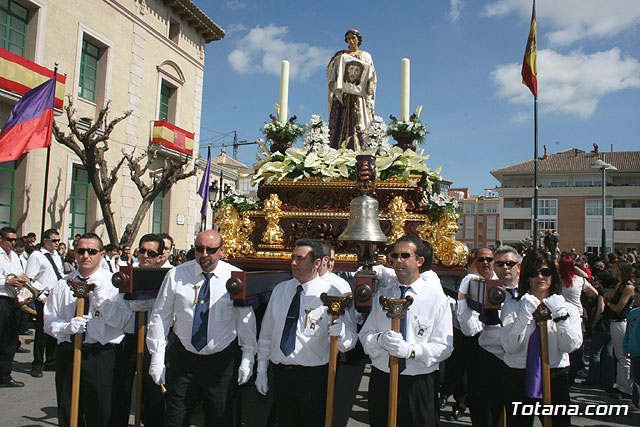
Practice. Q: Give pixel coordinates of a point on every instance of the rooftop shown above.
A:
(197, 19)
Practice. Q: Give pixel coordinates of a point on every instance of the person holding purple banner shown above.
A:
(520, 338)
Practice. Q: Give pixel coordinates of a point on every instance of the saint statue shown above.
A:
(352, 92)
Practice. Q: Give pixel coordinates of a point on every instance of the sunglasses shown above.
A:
(209, 250)
(82, 251)
(403, 255)
(148, 252)
(54, 240)
(509, 264)
(546, 272)
(9, 239)
(483, 259)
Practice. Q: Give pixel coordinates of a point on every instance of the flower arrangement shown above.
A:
(241, 202)
(282, 132)
(375, 135)
(440, 203)
(317, 134)
(414, 127)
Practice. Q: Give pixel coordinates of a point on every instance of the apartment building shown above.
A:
(479, 221)
(570, 199)
(146, 56)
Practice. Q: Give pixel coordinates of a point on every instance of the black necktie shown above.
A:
(201, 315)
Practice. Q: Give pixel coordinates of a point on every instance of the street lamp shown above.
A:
(601, 164)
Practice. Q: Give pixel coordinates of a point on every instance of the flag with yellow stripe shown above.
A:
(530, 65)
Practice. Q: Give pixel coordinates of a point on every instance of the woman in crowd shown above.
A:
(602, 369)
(620, 302)
(520, 338)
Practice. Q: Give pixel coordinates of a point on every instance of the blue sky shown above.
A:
(465, 69)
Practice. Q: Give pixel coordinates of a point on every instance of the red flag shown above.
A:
(30, 122)
(529, 64)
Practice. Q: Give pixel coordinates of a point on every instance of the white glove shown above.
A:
(400, 349)
(157, 370)
(337, 328)
(245, 371)
(557, 304)
(78, 325)
(141, 304)
(262, 383)
(389, 339)
(529, 305)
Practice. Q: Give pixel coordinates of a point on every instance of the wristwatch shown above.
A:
(413, 352)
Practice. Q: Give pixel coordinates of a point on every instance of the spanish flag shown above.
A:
(530, 65)
(30, 122)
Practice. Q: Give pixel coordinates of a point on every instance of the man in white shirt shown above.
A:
(210, 332)
(427, 340)
(486, 377)
(102, 328)
(44, 268)
(294, 337)
(110, 261)
(168, 249)
(9, 308)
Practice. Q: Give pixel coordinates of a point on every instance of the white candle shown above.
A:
(284, 91)
(405, 95)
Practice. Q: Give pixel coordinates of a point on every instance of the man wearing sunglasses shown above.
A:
(211, 334)
(44, 268)
(425, 340)
(102, 328)
(150, 249)
(9, 308)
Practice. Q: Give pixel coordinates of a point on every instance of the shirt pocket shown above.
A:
(223, 309)
(314, 320)
(420, 328)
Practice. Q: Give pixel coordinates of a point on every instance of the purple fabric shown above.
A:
(142, 295)
(533, 373)
(343, 119)
(203, 191)
(32, 104)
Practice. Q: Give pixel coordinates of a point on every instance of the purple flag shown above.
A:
(533, 373)
(204, 187)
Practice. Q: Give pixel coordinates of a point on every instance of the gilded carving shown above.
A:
(441, 234)
(399, 215)
(235, 229)
(273, 233)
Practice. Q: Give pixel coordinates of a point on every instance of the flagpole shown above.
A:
(535, 172)
(46, 175)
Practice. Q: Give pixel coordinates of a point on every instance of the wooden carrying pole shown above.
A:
(335, 306)
(541, 315)
(140, 352)
(81, 291)
(396, 310)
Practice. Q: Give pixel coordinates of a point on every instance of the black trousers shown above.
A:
(514, 386)
(153, 407)
(43, 344)
(299, 395)
(417, 399)
(212, 377)
(486, 389)
(455, 372)
(9, 322)
(96, 378)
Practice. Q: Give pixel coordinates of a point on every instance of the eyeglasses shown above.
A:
(54, 240)
(9, 239)
(209, 250)
(546, 272)
(403, 255)
(90, 251)
(483, 259)
(509, 264)
(148, 252)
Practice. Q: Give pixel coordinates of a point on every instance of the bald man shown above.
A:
(211, 334)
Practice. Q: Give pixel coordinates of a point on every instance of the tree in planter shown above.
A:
(91, 145)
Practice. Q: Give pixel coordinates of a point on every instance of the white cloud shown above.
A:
(236, 4)
(568, 21)
(264, 48)
(454, 11)
(570, 84)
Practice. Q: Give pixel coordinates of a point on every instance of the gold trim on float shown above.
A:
(342, 183)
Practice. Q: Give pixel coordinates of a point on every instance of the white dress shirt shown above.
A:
(40, 271)
(8, 266)
(106, 321)
(312, 331)
(565, 336)
(429, 328)
(176, 302)
(387, 277)
(344, 288)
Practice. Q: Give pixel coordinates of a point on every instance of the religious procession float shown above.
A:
(313, 190)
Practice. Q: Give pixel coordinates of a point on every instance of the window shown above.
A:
(468, 227)
(491, 207)
(588, 182)
(89, 71)
(593, 207)
(79, 201)
(558, 183)
(167, 103)
(547, 207)
(491, 227)
(546, 224)
(13, 26)
(469, 207)
(174, 31)
(7, 183)
(157, 215)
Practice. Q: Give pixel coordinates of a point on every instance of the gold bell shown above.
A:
(364, 221)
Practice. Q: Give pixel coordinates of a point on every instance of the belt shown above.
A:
(296, 368)
(94, 346)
